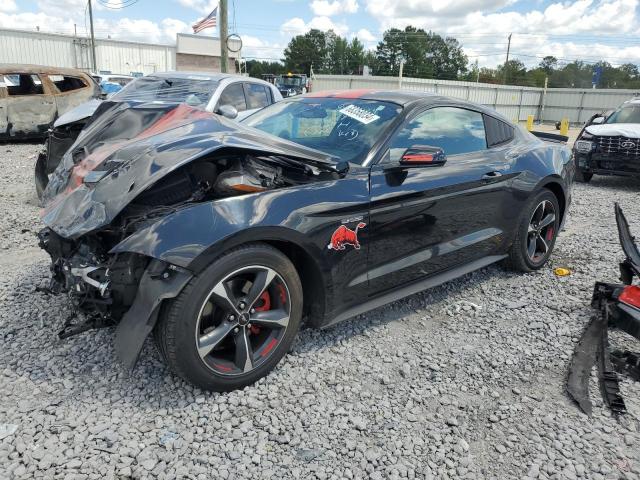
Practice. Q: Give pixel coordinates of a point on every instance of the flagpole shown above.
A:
(224, 52)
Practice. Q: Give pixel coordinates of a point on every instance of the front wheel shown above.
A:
(536, 234)
(233, 322)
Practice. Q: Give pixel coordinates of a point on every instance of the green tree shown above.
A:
(306, 50)
(257, 68)
(426, 54)
(549, 64)
(513, 72)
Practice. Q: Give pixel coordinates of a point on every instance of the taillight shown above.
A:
(631, 296)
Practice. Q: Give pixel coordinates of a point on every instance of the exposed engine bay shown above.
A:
(118, 179)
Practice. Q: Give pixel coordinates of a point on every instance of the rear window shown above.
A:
(195, 91)
(65, 83)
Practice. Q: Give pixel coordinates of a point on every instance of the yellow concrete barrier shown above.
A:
(564, 126)
(529, 122)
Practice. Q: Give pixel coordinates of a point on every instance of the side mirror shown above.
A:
(424, 155)
(228, 111)
(597, 120)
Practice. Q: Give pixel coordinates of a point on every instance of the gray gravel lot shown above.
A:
(462, 381)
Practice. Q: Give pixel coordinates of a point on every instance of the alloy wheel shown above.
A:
(541, 232)
(242, 320)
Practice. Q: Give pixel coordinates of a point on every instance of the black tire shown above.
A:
(179, 331)
(41, 177)
(582, 176)
(520, 258)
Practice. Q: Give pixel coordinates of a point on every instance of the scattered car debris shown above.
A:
(561, 271)
(616, 306)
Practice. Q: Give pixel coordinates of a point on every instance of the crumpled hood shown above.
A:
(129, 148)
(82, 111)
(629, 130)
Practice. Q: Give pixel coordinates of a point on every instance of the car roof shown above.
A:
(404, 98)
(8, 68)
(193, 75)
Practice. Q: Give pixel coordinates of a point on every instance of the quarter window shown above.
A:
(257, 96)
(66, 84)
(234, 95)
(455, 130)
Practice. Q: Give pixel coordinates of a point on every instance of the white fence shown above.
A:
(516, 103)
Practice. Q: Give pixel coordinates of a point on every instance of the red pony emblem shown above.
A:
(345, 236)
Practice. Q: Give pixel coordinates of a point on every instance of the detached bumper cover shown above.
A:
(159, 282)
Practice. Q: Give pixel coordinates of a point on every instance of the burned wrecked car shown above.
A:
(610, 144)
(231, 95)
(221, 238)
(33, 96)
(616, 306)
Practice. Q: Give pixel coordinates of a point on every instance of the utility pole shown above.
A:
(224, 31)
(93, 39)
(402, 60)
(506, 63)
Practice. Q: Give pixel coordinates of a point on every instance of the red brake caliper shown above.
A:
(265, 305)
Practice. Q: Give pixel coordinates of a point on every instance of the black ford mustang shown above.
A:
(220, 238)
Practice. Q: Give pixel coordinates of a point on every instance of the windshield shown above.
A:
(343, 128)
(196, 92)
(629, 114)
(290, 81)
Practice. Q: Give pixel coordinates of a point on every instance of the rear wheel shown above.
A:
(537, 233)
(233, 322)
(582, 176)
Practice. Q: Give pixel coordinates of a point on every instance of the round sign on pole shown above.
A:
(234, 36)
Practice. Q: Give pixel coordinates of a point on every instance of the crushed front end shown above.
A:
(101, 287)
(131, 168)
(616, 306)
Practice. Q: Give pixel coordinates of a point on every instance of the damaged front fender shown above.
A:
(160, 282)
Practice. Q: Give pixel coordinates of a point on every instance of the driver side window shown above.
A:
(455, 130)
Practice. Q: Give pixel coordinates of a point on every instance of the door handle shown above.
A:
(487, 177)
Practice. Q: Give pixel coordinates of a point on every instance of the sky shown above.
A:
(587, 30)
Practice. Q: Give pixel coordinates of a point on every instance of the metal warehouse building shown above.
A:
(191, 52)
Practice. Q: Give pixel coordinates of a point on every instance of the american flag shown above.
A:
(209, 21)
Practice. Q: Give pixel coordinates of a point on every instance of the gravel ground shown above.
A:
(462, 381)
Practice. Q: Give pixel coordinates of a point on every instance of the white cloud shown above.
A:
(253, 47)
(329, 8)
(365, 36)
(482, 26)
(410, 9)
(202, 6)
(293, 26)
(8, 6)
(297, 26)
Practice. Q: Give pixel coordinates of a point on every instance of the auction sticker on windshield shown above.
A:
(359, 114)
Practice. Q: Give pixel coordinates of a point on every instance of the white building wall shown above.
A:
(17, 46)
